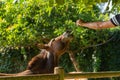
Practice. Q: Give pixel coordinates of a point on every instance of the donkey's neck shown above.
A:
(52, 61)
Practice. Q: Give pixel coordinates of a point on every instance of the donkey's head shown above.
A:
(60, 44)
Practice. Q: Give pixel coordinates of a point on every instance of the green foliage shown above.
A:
(9, 56)
(22, 24)
(13, 60)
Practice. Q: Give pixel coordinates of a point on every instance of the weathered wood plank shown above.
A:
(93, 75)
(31, 77)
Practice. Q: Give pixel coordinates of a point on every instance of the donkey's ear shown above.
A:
(50, 43)
(43, 46)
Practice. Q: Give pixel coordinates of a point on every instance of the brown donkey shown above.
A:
(48, 57)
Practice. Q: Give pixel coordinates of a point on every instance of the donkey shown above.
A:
(49, 56)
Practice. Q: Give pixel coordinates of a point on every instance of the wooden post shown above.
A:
(60, 71)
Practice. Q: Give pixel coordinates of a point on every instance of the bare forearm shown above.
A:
(98, 25)
(115, 21)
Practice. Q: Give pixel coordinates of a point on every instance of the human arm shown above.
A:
(113, 22)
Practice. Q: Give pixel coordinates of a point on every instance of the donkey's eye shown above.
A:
(68, 31)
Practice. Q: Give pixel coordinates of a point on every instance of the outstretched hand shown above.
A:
(79, 22)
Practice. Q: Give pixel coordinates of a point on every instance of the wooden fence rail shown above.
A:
(59, 75)
(32, 77)
(93, 75)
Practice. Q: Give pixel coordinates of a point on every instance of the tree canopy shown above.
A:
(24, 22)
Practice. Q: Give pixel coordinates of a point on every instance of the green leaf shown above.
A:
(60, 2)
(116, 1)
(75, 1)
(51, 2)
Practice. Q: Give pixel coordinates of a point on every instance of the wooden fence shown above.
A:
(60, 75)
